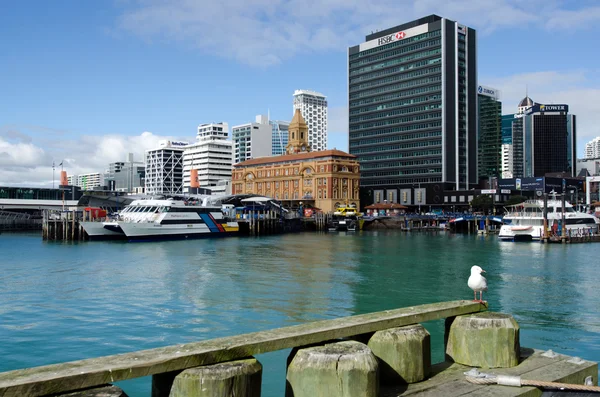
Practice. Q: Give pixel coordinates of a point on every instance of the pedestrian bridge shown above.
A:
(32, 204)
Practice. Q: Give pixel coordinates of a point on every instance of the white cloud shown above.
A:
(266, 32)
(25, 162)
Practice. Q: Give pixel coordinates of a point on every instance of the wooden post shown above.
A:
(240, 378)
(343, 369)
(404, 354)
(487, 340)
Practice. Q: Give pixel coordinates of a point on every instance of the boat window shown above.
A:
(569, 209)
(166, 209)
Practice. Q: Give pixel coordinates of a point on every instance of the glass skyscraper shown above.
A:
(490, 133)
(279, 137)
(413, 110)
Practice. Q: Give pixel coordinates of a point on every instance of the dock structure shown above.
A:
(376, 354)
(63, 225)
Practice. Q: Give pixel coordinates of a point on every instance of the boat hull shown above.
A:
(152, 231)
(97, 231)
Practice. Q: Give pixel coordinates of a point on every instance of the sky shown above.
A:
(86, 82)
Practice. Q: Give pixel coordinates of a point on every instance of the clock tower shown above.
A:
(297, 135)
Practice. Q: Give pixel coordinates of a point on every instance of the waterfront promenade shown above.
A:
(71, 301)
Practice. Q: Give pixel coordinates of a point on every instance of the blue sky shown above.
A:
(90, 81)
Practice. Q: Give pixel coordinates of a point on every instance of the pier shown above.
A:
(384, 353)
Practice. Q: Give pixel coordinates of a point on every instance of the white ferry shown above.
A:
(164, 219)
(525, 221)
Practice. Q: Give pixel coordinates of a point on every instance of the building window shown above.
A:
(319, 193)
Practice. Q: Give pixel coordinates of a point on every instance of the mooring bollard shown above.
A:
(487, 340)
(101, 391)
(240, 378)
(347, 369)
(404, 354)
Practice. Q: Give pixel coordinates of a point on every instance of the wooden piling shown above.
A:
(404, 354)
(240, 378)
(344, 369)
(487, 340)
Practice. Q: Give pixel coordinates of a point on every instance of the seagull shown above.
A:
(477, 283)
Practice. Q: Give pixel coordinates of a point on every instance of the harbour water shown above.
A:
(69, 301)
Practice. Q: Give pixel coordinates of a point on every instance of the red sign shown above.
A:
(400, 35)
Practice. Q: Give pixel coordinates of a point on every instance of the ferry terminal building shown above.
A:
(323, 179)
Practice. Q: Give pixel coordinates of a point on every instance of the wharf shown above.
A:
(448, 379)
(375, 354)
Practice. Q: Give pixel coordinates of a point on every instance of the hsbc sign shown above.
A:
(392, 37)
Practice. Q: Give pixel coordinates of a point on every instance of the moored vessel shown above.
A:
(525, 221)
(164, 219)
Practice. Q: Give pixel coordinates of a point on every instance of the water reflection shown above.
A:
(73, 301)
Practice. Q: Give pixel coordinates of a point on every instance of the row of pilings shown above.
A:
(63, 226)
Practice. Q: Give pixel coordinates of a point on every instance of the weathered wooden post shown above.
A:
(344, 369)
(487, 340)
(404, 353)
(240, 378)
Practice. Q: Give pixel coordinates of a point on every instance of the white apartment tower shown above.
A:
(507, 160)
(86, 181)
(211, 155)
(252, 140)
(164, 168)
(313, 107)
(592, 149)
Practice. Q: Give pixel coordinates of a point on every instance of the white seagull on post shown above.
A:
(477, 283)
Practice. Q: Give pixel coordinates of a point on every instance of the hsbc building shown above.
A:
(412, 99)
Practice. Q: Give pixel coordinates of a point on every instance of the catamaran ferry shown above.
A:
(525, 221)
(164, 219)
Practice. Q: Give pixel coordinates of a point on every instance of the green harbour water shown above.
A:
(68, 301)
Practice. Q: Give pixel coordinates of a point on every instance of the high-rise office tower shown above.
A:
(252, 140)
(413, 110)
(313, 107)
(164, 168)
(549, 134)
(489, 142)
(210, 154)
(280, 136)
